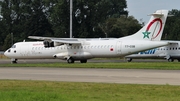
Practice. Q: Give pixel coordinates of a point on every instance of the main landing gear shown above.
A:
(83, 61)
(171, 60)
(128, 59)
(71, 60)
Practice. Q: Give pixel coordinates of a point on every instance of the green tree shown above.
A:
(37, 23)
(87, 15)
(172, 27)
(59, 18)
(6, 22)
(119, 27)
(23, 18)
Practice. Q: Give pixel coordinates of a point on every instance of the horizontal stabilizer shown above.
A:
(158, 13)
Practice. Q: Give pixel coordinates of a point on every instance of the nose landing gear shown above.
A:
(13, 61)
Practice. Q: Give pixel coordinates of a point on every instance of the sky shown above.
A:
(141, 8)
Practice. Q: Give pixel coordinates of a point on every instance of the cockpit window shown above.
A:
(9, 50)
(14, 46)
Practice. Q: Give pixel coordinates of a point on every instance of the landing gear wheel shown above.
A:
(129, 59)
(70, 60)
(170, 59)
(13, 61)
(178, 60)
(83, 61)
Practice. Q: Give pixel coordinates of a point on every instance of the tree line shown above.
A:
(91, 19)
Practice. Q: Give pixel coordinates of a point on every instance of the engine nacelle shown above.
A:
(77, 56)
(63, 55)
(48, 44)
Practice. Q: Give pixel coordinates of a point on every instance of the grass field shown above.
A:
(70, 91)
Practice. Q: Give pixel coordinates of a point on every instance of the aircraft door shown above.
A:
(118, 47)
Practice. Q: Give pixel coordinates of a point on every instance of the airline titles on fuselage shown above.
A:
(152, 51)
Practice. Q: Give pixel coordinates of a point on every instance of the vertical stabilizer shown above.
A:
(153, 29)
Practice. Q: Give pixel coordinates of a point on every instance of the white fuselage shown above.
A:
(86, 50)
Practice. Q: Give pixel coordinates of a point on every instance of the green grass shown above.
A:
(70, 91)
(132, 65)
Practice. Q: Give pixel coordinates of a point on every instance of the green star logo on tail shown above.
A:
(146, 34)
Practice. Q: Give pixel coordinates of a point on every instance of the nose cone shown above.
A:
(6, 53)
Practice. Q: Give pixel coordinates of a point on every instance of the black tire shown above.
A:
(178, 60)
(129, 59)
(171, 60)
(13, 61)
(83, 61)
(70, 60)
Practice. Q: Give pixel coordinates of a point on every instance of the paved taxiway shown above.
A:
(127, 76)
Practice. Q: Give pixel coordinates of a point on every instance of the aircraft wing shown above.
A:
(73, 41)
(59, 40)
(68, 40)
(40, 38)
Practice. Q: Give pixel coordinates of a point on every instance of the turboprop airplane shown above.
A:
(77, 49)
(169, 52)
